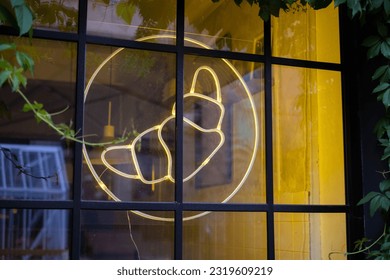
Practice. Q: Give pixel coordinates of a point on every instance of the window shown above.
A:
(234, 133)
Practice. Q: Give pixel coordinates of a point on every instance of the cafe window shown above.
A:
(233, 128)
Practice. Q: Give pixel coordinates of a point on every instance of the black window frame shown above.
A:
(351, 147)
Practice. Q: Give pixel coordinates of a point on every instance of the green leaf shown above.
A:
(386, 6)
(385, 246)
(355, 7)
(26, 108)
(319, 4)
(386, 153)
(380, 128)
(34, 106)
(4, 64)
(4, 75)
(15, 3)
(264, 14)
(386, 76)
(386, 98)
(381, 87)
(384, 203)
(384, 185)
(376, 3)
(385, 49)
(375, 204)
(24, 16)
(379, 72)
(6, 46)
(25, 61)
(382, 29)
(371, 41)
(339, 2)
(125, 11)
(368, 197)
(374, 51)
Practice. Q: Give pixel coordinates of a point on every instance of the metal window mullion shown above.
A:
(77, 179)
(178, 250)
(269, 142)
(352, 160)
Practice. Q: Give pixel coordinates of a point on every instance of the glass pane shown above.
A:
(130, 93)
(225, 236)
(303, 33)
(223, 131)
(304, 236)
(132, 19)
(36, 163)
(34, 234)
(58, 15)
(224, 25)
(125, 235)
(308, 136)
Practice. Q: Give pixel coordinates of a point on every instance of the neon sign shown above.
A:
(218, 101)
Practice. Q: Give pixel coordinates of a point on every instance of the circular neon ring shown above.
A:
(103, 186)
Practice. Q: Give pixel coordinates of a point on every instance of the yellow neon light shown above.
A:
(158, 128)
(131, 147)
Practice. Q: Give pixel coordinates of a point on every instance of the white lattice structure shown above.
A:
(33, 233)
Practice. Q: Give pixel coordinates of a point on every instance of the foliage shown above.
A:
(54, 13)
(375, 15)
(17, 14)
(273, 7)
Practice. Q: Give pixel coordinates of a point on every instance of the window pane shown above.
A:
(224, 25)
(304, 236)
(223, 131)
(308, 136)
(125, 235)
(36, 163)
(303, 33)
(225, 235)
(34, 234)
(132, 19)
(130, 93)
(58, 15)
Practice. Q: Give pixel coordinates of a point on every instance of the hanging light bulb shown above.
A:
(108, 130)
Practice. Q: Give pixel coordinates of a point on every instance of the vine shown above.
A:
(17, 14)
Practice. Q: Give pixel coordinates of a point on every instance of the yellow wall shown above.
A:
(308, 131)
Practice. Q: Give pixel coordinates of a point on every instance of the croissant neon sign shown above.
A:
(217, 130)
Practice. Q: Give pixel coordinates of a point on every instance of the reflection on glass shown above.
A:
(221, 26)
(34, 234)
(36, 164)
(303, 33)
(123, 235)
(131, 93)
(59, 15)
(131, 19)
(223, 136)
(226, 235)
(308, 136)
(304, 236)
(223, 131)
